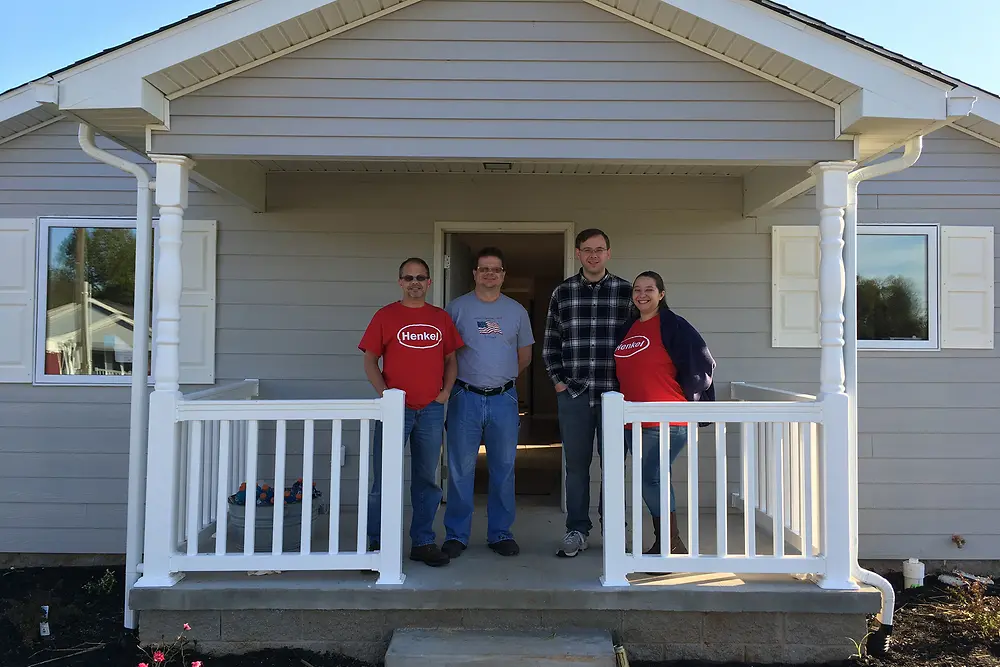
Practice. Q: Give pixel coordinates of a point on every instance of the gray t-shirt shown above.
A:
(492, 332)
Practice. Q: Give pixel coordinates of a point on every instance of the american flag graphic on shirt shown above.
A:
(487, 327)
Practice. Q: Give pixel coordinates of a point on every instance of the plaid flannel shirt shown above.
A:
(578, 349)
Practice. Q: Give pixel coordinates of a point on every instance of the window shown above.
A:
(897, 287)
(86, 301)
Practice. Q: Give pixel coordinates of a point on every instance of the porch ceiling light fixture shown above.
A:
(497, 166)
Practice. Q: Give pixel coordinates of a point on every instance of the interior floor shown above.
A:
(537, 466)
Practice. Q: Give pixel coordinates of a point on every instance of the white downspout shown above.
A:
(911, 152)
(140, 361)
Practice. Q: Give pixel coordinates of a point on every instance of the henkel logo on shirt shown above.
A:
(419, 336)
(631, 346)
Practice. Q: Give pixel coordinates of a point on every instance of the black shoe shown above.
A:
(453, 548)
(429, 554)
(506, 547)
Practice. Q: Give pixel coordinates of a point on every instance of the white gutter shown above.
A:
(911, 152)
(140, 361)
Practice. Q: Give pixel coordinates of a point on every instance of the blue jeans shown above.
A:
(651, 463)
(424, 429)
(474, 418)
(579, 423)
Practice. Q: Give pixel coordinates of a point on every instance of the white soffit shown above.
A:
(442, 167)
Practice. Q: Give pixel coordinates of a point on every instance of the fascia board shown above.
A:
(905, 87)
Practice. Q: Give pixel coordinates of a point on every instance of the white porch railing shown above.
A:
(784, 475)
(216, 449)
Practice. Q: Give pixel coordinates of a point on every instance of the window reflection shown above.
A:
(90, 301)
(893, 274)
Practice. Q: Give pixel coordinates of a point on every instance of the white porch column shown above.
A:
(164, 434)
(831, 200)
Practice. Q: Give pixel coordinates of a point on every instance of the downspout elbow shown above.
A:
(87, 143)
(911, 153)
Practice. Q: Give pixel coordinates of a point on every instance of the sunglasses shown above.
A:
(410, 279)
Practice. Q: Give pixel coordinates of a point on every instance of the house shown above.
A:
(765, 163)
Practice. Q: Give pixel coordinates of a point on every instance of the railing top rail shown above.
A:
(744, 391)
(726, 411)
(232, 390)
(280, 409)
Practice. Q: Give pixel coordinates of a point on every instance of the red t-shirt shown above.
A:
(413, 343)
(646, 374)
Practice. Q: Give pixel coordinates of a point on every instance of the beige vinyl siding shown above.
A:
(64, 450)
(929, 420)
(496, 79)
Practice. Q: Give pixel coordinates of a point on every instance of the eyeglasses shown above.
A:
(490, 269)
(410, 279)
(592, 251)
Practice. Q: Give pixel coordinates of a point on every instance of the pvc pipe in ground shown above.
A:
(913, 573)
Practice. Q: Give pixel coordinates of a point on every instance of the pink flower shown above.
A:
(187, 627)
(159, 657)
(196, 663)
(142, 664)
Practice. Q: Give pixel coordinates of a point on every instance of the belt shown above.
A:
(485, 391)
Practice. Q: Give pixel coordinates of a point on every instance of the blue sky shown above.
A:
(955, 36)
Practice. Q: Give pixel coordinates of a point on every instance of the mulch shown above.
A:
(86, 603)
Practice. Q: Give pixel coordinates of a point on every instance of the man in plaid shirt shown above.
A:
(584, 314)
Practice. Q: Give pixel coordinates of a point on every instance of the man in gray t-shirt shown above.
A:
(483, 405)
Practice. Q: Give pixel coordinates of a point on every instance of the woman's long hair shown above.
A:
(658, 280)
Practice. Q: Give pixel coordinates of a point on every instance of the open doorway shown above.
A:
(535, 263)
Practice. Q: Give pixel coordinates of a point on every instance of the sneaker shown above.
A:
(506, 547)
(573, 543)
(429, 554)
(453, 548)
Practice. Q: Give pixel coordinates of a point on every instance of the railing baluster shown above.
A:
(637, 489)
(222, 497)
(181, 484)
(786, 481)
(721, 525)
(336, 442)
(363, 463)
(251, 482)
(693, 527)
(206, 476)
(664, 446)
(750, 488)
(763, 462)
(777, 470)
(807, 489)
(308, 450)
(194, 487)
(795, 477)
(278, 526)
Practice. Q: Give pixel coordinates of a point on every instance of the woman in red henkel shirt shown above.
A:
(660, 357)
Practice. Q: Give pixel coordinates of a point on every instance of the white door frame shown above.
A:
(443, 228)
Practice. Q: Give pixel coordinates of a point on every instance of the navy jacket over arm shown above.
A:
(687, 350)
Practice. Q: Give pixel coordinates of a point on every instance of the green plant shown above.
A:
(164, 653)
(977, 610)
(105, 585)
(859, 647)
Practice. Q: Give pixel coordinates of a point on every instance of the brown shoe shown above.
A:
(676, 544)
(429, 554)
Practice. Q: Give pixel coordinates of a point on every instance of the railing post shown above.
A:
(160, 540)
(613, 488)
(831, 200)
(391, 539)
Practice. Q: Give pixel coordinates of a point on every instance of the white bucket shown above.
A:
(913, 573)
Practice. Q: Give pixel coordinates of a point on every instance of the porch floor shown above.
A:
(536, 579)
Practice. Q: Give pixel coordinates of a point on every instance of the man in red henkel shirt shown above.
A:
(417, 343)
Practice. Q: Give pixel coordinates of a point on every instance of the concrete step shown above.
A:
(482, 648)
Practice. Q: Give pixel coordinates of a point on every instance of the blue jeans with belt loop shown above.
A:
(651, 463)
(472, 419)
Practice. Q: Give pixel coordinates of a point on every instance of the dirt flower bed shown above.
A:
(935, 626)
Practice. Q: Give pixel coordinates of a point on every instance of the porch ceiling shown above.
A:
(441, 167)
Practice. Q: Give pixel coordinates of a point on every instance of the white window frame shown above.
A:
(933, 233)
(41, 301)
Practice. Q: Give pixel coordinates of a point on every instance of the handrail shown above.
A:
(234, 390)
(724, 411)
(266, 410)
(744, 391)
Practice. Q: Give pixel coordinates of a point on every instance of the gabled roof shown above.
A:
(126, 88)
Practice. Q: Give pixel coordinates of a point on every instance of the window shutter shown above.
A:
(197, 351)
(794, 286)
(17, 299)
(967, 304)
